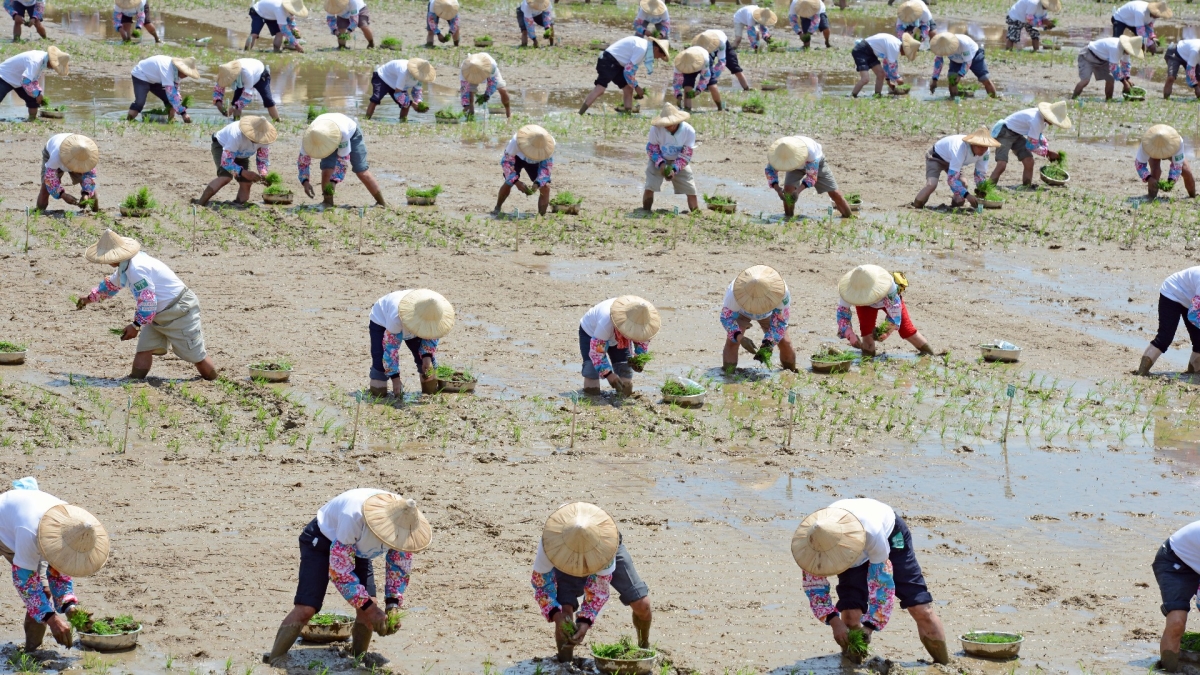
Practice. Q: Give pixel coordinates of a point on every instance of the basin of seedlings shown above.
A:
(51, 112)
(991, 644)
(989, 195)
(1055, 173)
(1000, 350)
(1135, 94)
(11, 353)
(682, 391)
(327, 627)
(720, 203)
(566, 203)
(391, 43)
(423, 196)
(110, 634)
(1189, 648)
(271, 371)
(855, 201)
(483, 41)
(624, 658)
(139, 204)
(455, 380)
(448, 116)
(275, 192)
(830, 359)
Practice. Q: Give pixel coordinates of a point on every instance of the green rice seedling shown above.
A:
(854, 198)
(568, 628)
(315, 111)
(763, 355)
(566, 198)
(640, 360)
(10, 347)
(117, 331)
(140, 200)
(1166, 185)
(1190, 642)
(833, 355)
(424, 193)
(624, 650)
(24, 663)
(449, 114)
(992, 638)
(674, 388)
(329, 619)
(988, 191)
(754, 103)
(857, 644)
(391, 43)
(721, 200)
(394, 619)
(328, 189)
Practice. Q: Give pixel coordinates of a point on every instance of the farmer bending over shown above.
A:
(808, 17)
(652, 18)
(913, 17)
(343, 16)
(531, 150)
(757, 294)
(418, 319)
(160, 75)
(803, 162)
(619, 64)
(338, 545)
(26, 14)
(35, 529)
(1138, 17)
(245, 76)
(579, 557)
(481, 70)
(868, 547)
(1108, 59)
(1024, 132)
(723, 56)
(73, 155)
(400, 79)
(533, 13)
(446, 10)
(279, 16)
(964, 54)
(337, 142)
(1162, 142)
(952, 155)
(694, 75)
(232, 148)
(609, 334)
(755, 23)
(1029, 16)
(1178, 300)
(1185, 54)
(25, 75)
(868, 289)
(880, 54)
(669, 148)
(131, 15)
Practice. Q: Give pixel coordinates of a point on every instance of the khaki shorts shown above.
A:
(1091, 66)
(177, 326)
(935, 167)
(683, 182)
(825, 180)
(8, 555)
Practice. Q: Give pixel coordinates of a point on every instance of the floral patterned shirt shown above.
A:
(892, 305)
(466, 90)
(53, 182)
(811, 169)
(304, 168)
(139, 19)
(595, 595)
(37, 605)
(703, 79)
(881, 595)
(431, 23)
(391, 352)
(341, 573)
(508, 165)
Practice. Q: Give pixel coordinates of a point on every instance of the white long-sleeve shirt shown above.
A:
(157, 70)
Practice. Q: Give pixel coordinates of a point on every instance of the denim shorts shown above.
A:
(906, 572)
(314, 568)
(625, 581)
(358, 155)
(1176, 581)
(617, 357)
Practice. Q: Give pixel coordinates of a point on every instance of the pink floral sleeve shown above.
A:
(391, 350)
(341, 573)
(598, 350)
(595, 594)
(262, 159)
(62, 589)
(304, 166)
(881, 594)
(147, 305)
(685, 156)
(817, 589)
(399, 566)
(53, 183)
(545, 591)
(845, 329)
(29, 587)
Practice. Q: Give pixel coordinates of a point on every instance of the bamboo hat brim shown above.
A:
(227, 73)
(580, 539)
(670, 116)
(1055, 113)
(981, 136)
(58, 60)
(865, 285)
(635, 318)
(759, 289)
(909, 46)
(128, 4)
(539, 6)
(445, 9)
(765, 17)
(807, 9)
(477, 68)
(72, 541)
(662, 44)
(295, 8)
(709, 41)
(321, 138)
(426, 313)
(186, 67)
(691, 60)
(1160, 10)
(828, 542)
(787, 154)
(421, 70)
(397, 522)
(945, 44)
(1052, 5)
(653, 7)
(1132, 46)
(78, 153)
(258, 129)
(1161, 141)
(112, 248)
(336, 7)
(911, 11)
(535, 143)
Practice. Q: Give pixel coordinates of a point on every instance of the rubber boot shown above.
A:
(1169, 661)
(925, 350)
(937, 650)
(1148, 358)
(285, 637)
(34, 634)
(360, 638)
(643, 632)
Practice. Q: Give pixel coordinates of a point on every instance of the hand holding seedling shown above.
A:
(131, 331)
(61, 629)
(373, 617)
(251, 176)
(82, 302)
(70, 199)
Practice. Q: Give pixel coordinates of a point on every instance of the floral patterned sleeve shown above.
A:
(1193, 314)
(631, 75)
(1038, 146)
(147, 303)
(288, 28)
(1143, 170)
(684, 158)
(339, 171)
(779, 322)
(353, 23)
(1120, 69)
(493, 84)
(88, 183)
(981, 168)
(810, 174)
(545, 591)
(654, 150)
(772, 176)
(925, 28)
(729, 323)
(1147, 32)
(229, 163)
(598, 351)
(391, 356)
(452, 26)
(304, 167)
(543, 175)
(218, 95)
(62, 589)
(893, 306)
(752, 35)
(1190, 74)
(431, 23)
(957, 186)
(817, 590)
(530, 26)
(595, 594)
(341, 573)
(664, 27)
(845, 328)
(32, 87)
(795, 21)
(639, 348)
(116, 19)
(891, 69)
(53, 183)
(881, 594)
(508, 166)
(107, 288)
(938, 63)
(429, 348)
(1176, 169)
(399, 566)
(262, 160)
(243, 99)
(174, 97)
(29, 587)
(464, 92)
(704, 79)
(677, 84)
(331, 21)
(901, 28)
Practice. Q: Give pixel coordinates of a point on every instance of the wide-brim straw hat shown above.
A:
(662, 45)
(336, 6)
(635, 318)
(1132, 46)
(765, 16)
(539, 6)
(128, 4)
(426, 313)
(580, 539)
(691, 60)
(1052, 5)
(535, 143)
(911, 11)
(670, 116)
(227, 73)
(865, 285)
(321, 138)
(945, 44)
(828, 542)
(186, 67)
(112, 248)
(445, 9)
(909, 46)
(58, 60)
(709, 41)
(759, 289)
(652, 7)
(421, 70)
(981, 136)
(397, 522)
(72, 541)
(807, 9)
(295, 8)
(1161, 141)
(78, 153)
(1055, 113)
(1160, 10)
(477, 69)
(258, 129)
(787, 154)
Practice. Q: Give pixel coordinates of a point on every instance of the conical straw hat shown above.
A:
(295, 8)
(426, 313)
(580, 539)
(72, 541)
(186, 67)
(653, 7)
(228, 72)
(662, 44)
(539, 6)
(709, 40)
(336, 7)
(787, 154)
(759, 289)
(807, 9)
(421, 70)
(1160, 10)
(1055, 113)
(981, 136)
(909, 46)
(477, 68)
(258, 129)
(1052, 5)
(58, 60)
(865, 285)
(691, 60)
(765, 16)
(635, 318)
(112, 248)
(670, 116)
(445, 9)
(128, 4)
(321, 138)
(397, 522)
(1161, 141)
(78, 153)
(911, 11)
(1132, 46)
(828, 542)
(535, 143)
(945, 44)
